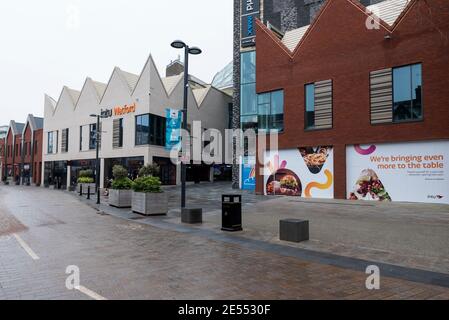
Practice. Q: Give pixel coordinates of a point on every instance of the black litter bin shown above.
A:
(231, 212)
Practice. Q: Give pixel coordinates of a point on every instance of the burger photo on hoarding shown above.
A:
(284, 182)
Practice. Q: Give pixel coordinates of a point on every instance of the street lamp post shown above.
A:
(97, 158)
(178, 44)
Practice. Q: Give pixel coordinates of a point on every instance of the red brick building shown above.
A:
(14, 151)
(2, 153)
(32, 151)
(23, 151)
(366, 93)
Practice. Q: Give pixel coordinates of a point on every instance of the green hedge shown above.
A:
(147, 184)
(85, 180)
(122, 184)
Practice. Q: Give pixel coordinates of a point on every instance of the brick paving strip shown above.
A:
(9, 224)
(360, 265)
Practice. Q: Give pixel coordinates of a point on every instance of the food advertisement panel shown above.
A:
(303, 172)
(409, 172)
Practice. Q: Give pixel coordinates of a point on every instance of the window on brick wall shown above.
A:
(271, 110)
(318, 105)
(407, 93)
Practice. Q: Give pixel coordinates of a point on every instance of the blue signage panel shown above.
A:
(173, 126)
(249, 174)
(250, 11)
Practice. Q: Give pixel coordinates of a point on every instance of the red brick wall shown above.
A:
(2, 155)
(341, 48)
(10, 144)
(37, 158)
(27, 140)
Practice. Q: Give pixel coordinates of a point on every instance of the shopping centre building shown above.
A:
(134, 130)
(359, 101)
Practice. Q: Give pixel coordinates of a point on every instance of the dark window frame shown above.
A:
(156, 130)
(411, 89)
(270, 114)
(92, 136)
(306, 126)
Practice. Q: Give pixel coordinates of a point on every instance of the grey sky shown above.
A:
(47, 44)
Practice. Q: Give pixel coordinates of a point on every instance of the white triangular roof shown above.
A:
(170, 83)
(131, 79)
(200, 94)
(100, 87)
(387, 11)
(74, 94)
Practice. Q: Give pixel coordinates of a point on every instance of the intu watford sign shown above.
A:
(119, 110)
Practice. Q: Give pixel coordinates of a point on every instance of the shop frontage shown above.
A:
(132, 164)
(55, 174)
(167, 172)
(78, 165)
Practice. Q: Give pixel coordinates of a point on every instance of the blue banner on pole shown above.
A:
(173, 126)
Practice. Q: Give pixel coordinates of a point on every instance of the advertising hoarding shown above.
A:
(409, 172)
(303, 172)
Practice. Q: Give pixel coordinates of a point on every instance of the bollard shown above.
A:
(81, 189)
(98, 195)
(88, 193)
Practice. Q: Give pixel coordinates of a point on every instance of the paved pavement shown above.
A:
(45, 231)
(405, 234)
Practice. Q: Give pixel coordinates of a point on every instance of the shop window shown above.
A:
(65, 140)
(150, 129)
(407, 93)
(271, 110)
(310, 105)
(249, 122)
(248, 96)
(318, 105)
(92, 136)
(52, 142)
(117, 136)
(142, 129)
(248, 67)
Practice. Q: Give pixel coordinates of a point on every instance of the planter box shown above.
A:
(85, 187)
(150, 204)
(120, 198)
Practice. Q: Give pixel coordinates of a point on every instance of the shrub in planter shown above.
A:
(147, 184)
(86, 180)
(120, 193)
(149, 170)
(147, 196)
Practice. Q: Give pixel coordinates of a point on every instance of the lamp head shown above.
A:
(178, 44)
(195, 50)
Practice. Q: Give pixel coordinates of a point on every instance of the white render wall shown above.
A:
(149, 95)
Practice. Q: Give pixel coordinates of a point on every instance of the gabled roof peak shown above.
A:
(388, 12)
